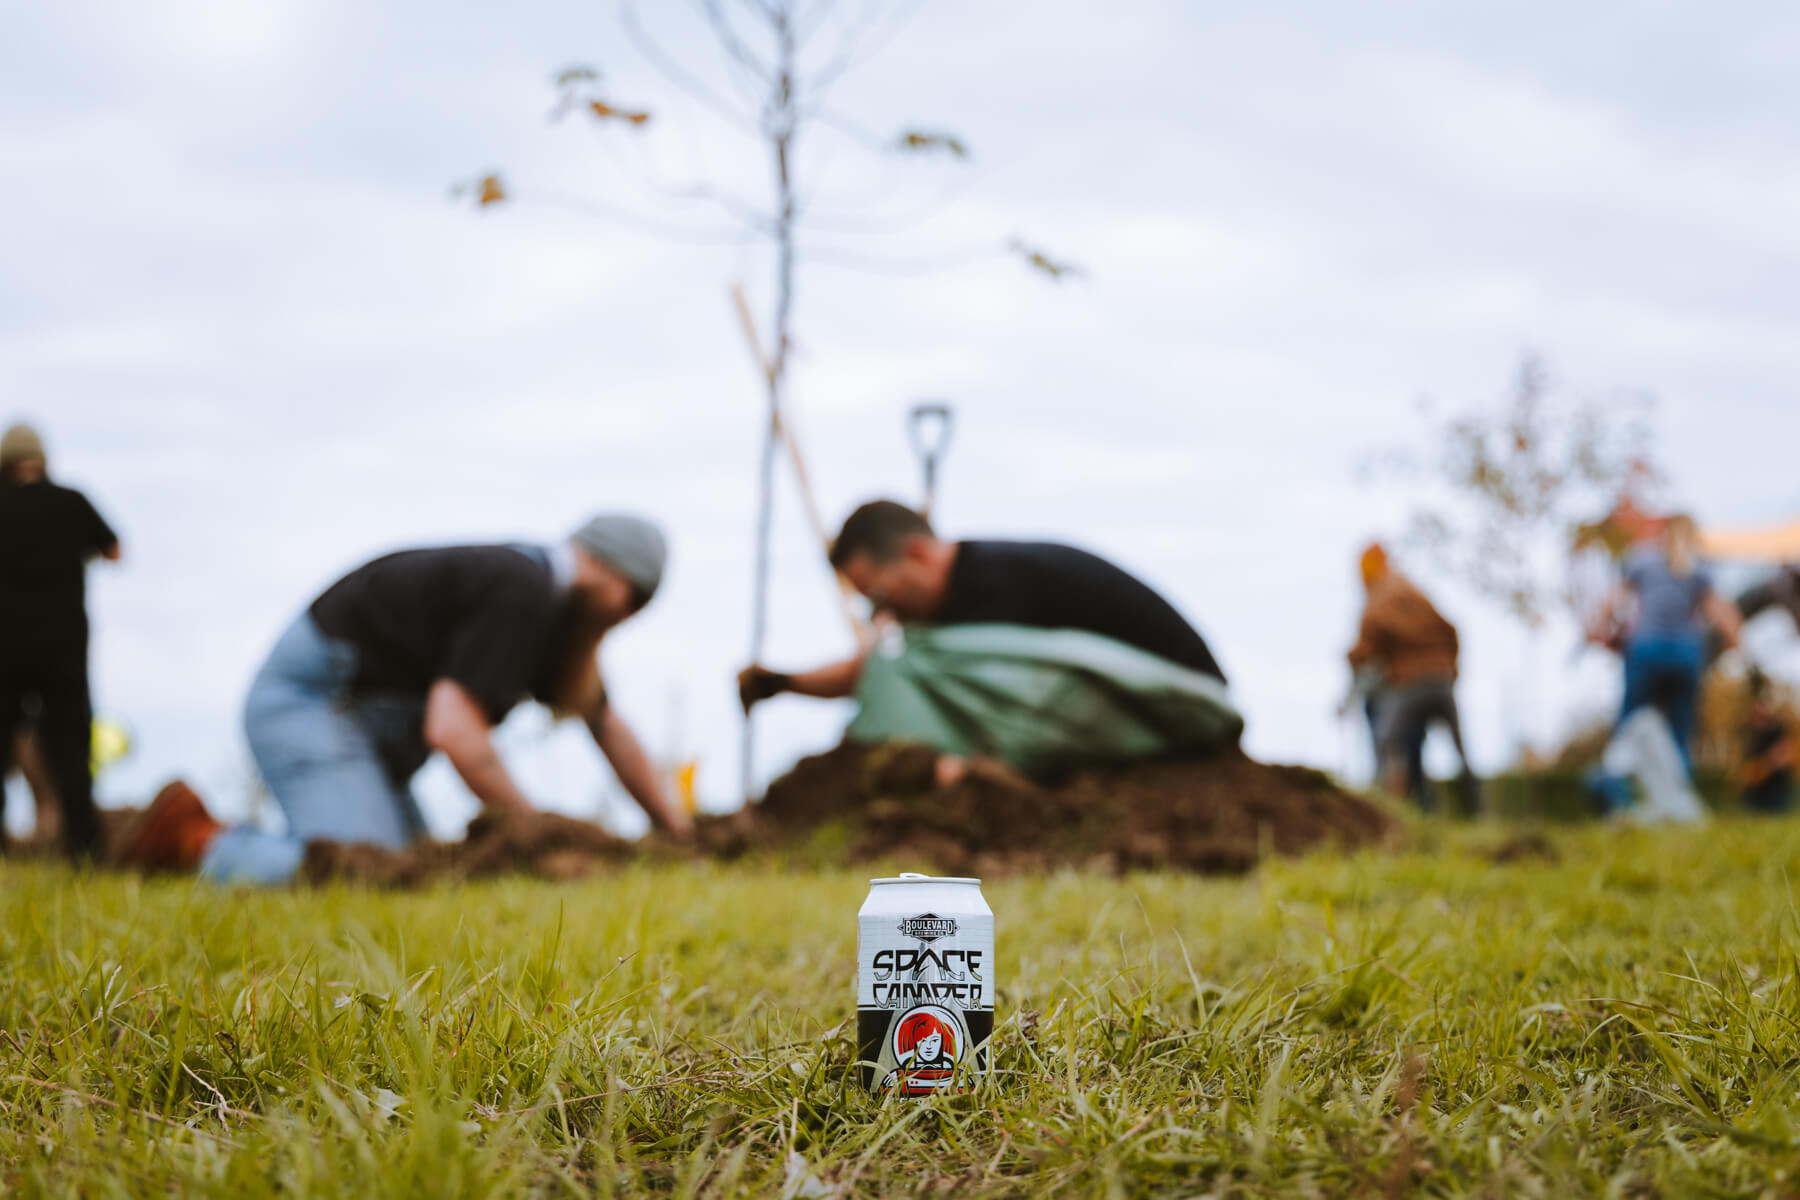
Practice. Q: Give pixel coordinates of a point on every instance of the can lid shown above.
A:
(914, 877)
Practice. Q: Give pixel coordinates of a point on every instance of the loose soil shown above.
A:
(1218, 814)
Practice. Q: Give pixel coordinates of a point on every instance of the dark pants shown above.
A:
(1403, 716)
(1414, 751)
(1773, 795)
(51, 675)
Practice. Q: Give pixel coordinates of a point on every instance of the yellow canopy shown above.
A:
(1767, 543)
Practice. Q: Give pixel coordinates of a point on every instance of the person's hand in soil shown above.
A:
(641, 780)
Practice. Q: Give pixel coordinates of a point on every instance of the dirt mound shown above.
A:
(1216, 815)
(544, 844)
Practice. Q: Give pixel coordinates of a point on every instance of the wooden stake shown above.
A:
(859, 628)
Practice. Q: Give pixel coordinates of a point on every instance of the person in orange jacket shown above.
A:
(1407, 651)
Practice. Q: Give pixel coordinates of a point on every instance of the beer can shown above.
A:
(924, 984)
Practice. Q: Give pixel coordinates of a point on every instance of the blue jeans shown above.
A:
(338, 762)
(1664, 669)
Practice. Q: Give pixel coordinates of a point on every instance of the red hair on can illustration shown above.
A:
(919, 1028)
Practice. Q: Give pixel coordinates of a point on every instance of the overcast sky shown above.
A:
(254, 326)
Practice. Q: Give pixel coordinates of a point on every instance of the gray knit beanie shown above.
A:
(629, 545)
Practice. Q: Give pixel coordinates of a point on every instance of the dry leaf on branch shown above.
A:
(607, 112)
(1037, 260)
(919, 140)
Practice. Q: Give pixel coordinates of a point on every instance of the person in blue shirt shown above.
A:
(1666, 649)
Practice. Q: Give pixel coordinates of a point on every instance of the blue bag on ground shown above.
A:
(1040, 699)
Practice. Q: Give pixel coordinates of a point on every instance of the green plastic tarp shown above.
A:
(1040, 699)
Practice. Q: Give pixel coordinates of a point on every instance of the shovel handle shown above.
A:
(930, 428)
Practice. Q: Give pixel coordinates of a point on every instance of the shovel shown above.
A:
(930, 425)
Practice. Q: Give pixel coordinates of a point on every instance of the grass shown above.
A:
(1623, 1022)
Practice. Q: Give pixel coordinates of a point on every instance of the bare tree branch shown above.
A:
(878, 265)
(825, 221)
(809, 21)
(750, 75)
(810, 24)
(742, 210)
(644, 223)
(843, 124)
(568, 84)
(675, 73)
(736, 49)
(644, 162)
(879, 189)
(851, 56)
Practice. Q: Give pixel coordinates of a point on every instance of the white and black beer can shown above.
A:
(924, 984)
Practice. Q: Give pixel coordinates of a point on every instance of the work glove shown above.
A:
(756, 684)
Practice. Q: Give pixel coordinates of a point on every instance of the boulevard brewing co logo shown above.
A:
(928, 927)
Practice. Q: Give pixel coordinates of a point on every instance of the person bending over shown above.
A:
(892, 556)
(421, 651)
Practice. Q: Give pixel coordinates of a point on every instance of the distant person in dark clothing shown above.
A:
(1407, 652)
(1767, 775)
(892, 556)
(415, 652)
(1780, 590)
(48, 534)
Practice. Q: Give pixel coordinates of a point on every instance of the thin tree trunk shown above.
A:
(780, 123)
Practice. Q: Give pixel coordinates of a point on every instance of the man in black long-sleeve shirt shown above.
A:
(893, 557)
(47, 536)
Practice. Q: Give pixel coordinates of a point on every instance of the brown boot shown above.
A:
(172, 834)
